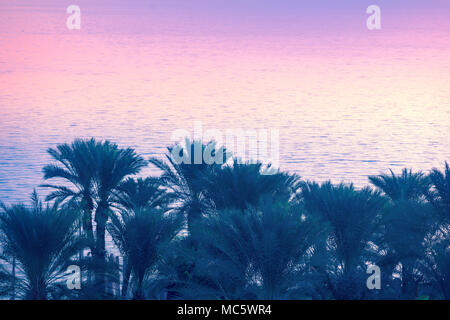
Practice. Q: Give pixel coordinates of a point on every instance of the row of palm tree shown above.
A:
(222, 231)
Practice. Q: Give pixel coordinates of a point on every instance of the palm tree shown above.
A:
(6, 288)
(138, 194)
(94, 169)
(242, 185)
(7, 285)
(437, 258)
(351, 219)
(439, 194)
(142, 236)
(43, 242)
(258, 254)
(183, 174)
(406, 186)
(437, 268)
(407, 226)
(408, 222)
(75, 166)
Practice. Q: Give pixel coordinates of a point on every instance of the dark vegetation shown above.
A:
(200, 231)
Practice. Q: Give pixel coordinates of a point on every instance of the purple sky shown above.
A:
(259, 5)
(262, 17)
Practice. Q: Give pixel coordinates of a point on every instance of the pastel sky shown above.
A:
(249, 16)
(259, 4)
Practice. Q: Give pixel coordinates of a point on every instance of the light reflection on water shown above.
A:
(347, 105)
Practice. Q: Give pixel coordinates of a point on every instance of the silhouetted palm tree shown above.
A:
(352, 219)
(407, 225)
(142, 236)
(75, 166)
(439, 194)
(258, 254)
(406, 186)
(437, 268)
(95, 169)
(184, 172)
(137, 194)
(43, 242)
(437, 259)
(242, 185)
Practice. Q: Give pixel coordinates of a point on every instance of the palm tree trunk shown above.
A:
(39, 290)
(126, 277)
(139, 293)
(13, 271)
(101, 218)
(88, 229)
(87, 221)
(80, 235)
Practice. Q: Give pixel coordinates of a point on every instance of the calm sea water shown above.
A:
(348, 102)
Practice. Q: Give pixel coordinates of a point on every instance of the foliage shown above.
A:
(142, 236)
(256, 254)
(352, 220)
(42, 241)
(210, 228)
